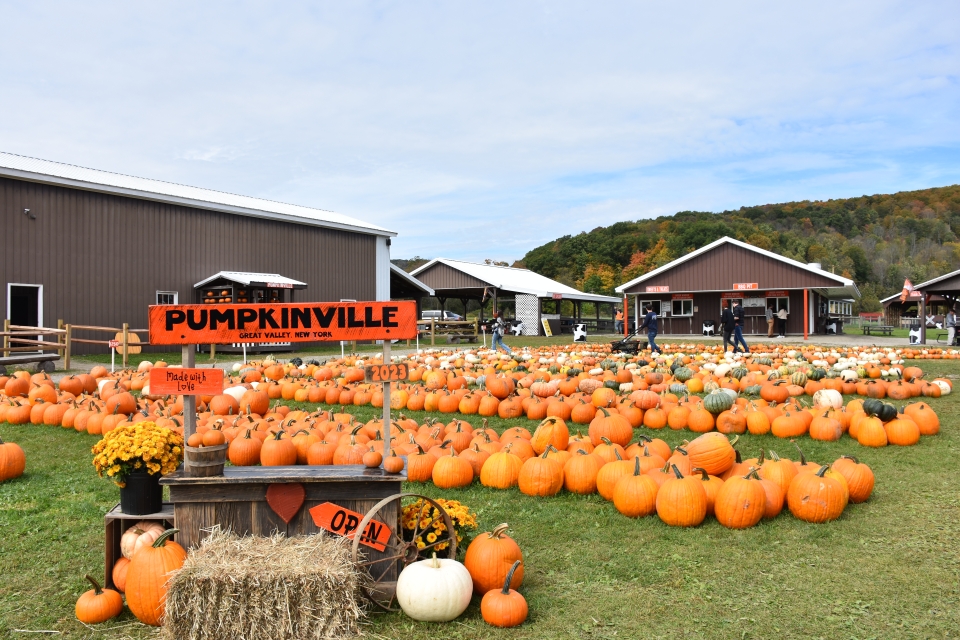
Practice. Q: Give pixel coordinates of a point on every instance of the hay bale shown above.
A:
(253, 588)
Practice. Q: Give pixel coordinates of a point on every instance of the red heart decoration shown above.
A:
(286, 499)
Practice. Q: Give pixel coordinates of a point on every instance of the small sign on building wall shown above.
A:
(745, 286)
(658, 289)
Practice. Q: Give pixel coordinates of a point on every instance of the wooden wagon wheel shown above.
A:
(381, 589)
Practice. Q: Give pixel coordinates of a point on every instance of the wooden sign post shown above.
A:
(189, 325)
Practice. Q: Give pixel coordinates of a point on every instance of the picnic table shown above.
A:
(874, 329)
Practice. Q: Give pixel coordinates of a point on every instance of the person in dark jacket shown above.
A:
(727, 325)
(650, 324)
(738, 329)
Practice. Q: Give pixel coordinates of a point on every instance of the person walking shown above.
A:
(738, 329)
(769, 320)
(618, 321)
(498, 328)
(727, 325)
(951, 323)
(782, 317)
(650, 324)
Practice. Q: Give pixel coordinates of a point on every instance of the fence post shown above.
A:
(433, 331)
(213, 352)
(126, 328)
(60, 337)
(6, 339)
(66, 350)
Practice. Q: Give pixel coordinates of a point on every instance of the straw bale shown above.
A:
(254, 588)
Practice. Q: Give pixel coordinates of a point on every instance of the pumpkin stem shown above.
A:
(822, 470)
(97, 589)
(162, 538)
(499, 530)
(752, 474)
(703, 473)
(846, 457)
(636, 466)
(509, 579)
(434, 562)
(605, 440)
(681, 450)
(676, 471)
(803, 459)
(774, 456)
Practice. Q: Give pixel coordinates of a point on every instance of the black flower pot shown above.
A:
(142, 495)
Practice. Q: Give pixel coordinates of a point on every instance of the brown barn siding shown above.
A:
(720, 268)
(101, 258)
(441, 276)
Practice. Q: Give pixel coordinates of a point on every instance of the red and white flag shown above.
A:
(907, 290)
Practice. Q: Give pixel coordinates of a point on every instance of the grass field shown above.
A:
(888, 568)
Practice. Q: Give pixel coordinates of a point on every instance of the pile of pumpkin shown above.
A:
(439, 590)
(682, 486)
(148, 556)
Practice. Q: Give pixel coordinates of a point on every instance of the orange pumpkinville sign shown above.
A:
(306, 322)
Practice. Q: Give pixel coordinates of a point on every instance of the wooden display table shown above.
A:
(116, 522)
(237, 500)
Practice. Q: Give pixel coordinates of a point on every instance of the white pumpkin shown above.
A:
(827, 399)
(142, 534)
(145, 365)
(626, 387)
(722, 370)
(435, 590)
(944, 387)
(848, 375)
(236, 392)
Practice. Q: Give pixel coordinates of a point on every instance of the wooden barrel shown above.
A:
(204, 462)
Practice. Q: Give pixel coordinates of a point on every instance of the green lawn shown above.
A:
(889, 568)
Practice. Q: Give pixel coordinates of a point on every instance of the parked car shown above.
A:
(435, 315)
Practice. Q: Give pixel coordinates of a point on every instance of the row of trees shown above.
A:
(875, 240)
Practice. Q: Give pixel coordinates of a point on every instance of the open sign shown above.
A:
(344, 522)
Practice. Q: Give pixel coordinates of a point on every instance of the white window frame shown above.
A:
(175, 294)
(776, 307)
(685, 303)
(658, 304)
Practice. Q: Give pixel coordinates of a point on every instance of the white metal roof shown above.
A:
(410, 279)
(845, 285)
(68, 175)
(242, 277)
(923, 285)
(517, 280)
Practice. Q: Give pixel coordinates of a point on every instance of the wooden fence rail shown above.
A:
(22, 335)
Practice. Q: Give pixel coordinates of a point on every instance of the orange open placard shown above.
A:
(193, 382)
(386, 372)
(306, 322)
(342, 521)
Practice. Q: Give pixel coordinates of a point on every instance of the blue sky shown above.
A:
(481, 130)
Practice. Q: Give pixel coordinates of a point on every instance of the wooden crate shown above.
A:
(116, 522)
(237, 499)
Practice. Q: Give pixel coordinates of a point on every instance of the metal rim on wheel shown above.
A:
(397, 549)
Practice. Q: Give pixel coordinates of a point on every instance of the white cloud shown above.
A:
(484, 130)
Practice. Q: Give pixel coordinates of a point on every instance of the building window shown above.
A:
(167, 297)
(779, 303)
(731, 302)
(682, 308)
(653, 303)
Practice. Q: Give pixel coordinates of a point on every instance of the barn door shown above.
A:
(25, 306)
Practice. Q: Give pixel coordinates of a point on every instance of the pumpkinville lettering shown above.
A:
(228, 323)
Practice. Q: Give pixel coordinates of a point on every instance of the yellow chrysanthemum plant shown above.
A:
(138, 447)
(423, 519)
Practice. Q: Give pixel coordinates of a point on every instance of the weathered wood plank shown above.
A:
(322, 491)
(296, 473)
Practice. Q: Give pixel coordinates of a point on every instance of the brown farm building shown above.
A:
(691, 291)
(96, 248)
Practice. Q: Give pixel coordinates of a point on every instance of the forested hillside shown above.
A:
(875, 240)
